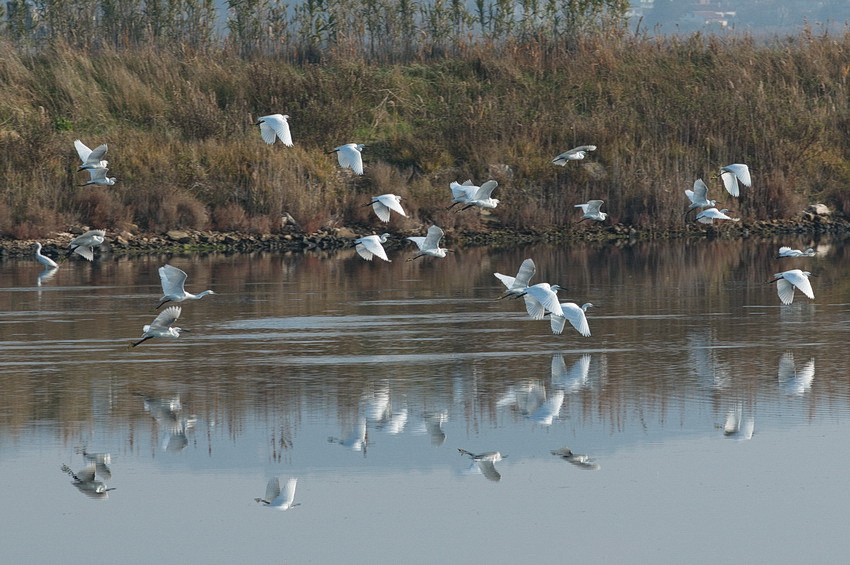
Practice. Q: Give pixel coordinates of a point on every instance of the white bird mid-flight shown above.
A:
(384, 203)
(91, 158)
(173, 281)
(788, 280)
(349, 156)
(98, 177)
(273, 127)
(541, 298)
(46, 261)
(699, 196)
(277, 498)
(482, 196)
(371, 245)
(731, 174)
(461, 193)
(516, 285)
(788, 252)
(573, 313)
(592, 210)
(84, 244)
(574, 154)
(708, 216)
(161, 326)
(430, 244)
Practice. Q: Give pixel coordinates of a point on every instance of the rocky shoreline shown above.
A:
(190, 241)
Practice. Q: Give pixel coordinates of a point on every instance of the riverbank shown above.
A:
(294, 241)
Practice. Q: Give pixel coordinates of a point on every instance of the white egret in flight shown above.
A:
(370, 245)
(699, 196)
(98, 176)
(384, 203)
(430, 244)
(84, 244)
(485, 462)
(461, 193)
(708, 216)
(46, 261)
(592, 210)
(173, 281)
(161, 326)
(349, 156)
(574, 154)
(482, 196)
(517, 285)
(277, 498)
(573, 313)
(275, 126)
(731, 174)
(788, 280)
(541, 298)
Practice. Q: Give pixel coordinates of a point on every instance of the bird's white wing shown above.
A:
(787, 369)
(489, 470)
(97, 174)
(700, 191)
(391, 201)
(463, 191)
(785, 290)
(418, 240)
(267, 132)
(173, 280)
(288, 494)
(583, 148)
(582, 206)
(272, 490)
(534, 308)
(86, 475)
(381, 211)
(557, 324)
(507, 280)
(593, 207)
(784, 250)
(85, 251)
(707, 216)
(546, 298)
(97, 154)
(577, 318)
(165, 318)
(525, 273)
(741, 171)
(350, 157)
(432, 240)
(806, 375)
(82, 150)
(801, 281)
(371, 246)
(730, 181)
(733, 421)
(559, 368)
(485, 190)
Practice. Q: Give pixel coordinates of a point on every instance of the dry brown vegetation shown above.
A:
(663, 112)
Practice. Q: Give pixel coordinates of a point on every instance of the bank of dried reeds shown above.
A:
(663, 112)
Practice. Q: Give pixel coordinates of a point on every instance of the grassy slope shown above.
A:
(186, 153)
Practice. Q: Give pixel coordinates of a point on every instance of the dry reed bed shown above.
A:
(187, 155)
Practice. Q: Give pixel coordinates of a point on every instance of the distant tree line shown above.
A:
(382, 29)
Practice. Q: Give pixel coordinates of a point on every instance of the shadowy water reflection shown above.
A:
(364, 379)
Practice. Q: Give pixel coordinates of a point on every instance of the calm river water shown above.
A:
(362, 380)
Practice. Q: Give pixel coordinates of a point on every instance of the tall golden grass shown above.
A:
(663, 112)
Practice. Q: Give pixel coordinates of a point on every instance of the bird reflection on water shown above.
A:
(795, 382)
(580, 461)
(169, 416)
(277, 498)
(85, 481)
(484, 462)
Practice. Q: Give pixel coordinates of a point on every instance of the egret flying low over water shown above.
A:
(482, 196)
(98, 176)
(573, 313)
(161, 326)
(731, 174)
(384, 203)
(592, 211)
(574, 154)
(581, 461)
(708, 216)
(485, 462)
(430, 244)
(788, 280)
(91, 158)
(46, 261)
(277, 498)
(349, 156)
(461, 193)
(84, 244)
(788, 252)
(699, 196)
(517, 285)
(541, 298)
(370, 245)
(273, 127)
(173, 281)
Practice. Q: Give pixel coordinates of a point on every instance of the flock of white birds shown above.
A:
(541, 299)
